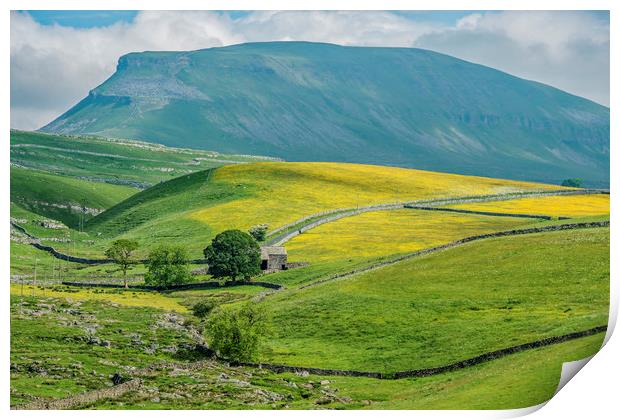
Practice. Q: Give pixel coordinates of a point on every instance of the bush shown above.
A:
(167, 266)
(236, 334)
(202, 309)
(572, 182)
(233, 254)
(259, 232)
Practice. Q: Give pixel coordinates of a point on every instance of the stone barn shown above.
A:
(273, 258)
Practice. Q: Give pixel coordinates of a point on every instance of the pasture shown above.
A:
(419, 313)
(113, 161)
(446, 306)
(63, 198)
(555, 206)
(191, 209)
(389, 232)
(309, 188)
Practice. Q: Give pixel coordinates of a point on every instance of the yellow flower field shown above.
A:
(390, 232)
(282, 192)
(555, 206)
(120, 297)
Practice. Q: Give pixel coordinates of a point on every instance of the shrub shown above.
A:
(202, 309)
(259, 232)
(233, 254)
(167, 266)
(236, 334)
(572, 182)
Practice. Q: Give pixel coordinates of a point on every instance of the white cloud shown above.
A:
(53, 67)
(345, 28)
(568, 50)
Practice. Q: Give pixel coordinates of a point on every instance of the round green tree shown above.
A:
(167, 266)
(233, 254)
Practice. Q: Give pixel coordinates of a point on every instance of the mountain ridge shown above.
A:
(313, 101)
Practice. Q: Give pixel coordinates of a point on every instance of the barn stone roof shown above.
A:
(266, 251)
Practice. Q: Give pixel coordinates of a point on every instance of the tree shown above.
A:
(122, 252)
(572, 182)
(236, 334)
(167, 266)
(259, 232)
(233, 254)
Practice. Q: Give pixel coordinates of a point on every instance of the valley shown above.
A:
(389, 278)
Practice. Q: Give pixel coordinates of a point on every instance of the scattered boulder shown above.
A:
(52, 224)
(117, 379)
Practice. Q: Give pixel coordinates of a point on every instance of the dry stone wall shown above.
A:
(568, 226)
(287, 232)
(85, 398)
(417, 373)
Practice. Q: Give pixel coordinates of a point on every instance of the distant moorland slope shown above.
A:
(320, 102)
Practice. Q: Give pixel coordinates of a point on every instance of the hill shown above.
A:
(72, 178)
(193, 208)
(63, 198)
(321, 102)
(439, 308)
(113, 161)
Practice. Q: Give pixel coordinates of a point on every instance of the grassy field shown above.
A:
(113, 296)
(190, 210)
(113, 161)
(446, 306)
(61, 347)
(567, 206)
(313, 187)
(418, 313)
(57, 176)
(62, 198)
(382, 233)
(517, 381)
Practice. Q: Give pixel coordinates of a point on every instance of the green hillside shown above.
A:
(63, 198)
(73, 178)
(191, 209)
(448, 306)
(308, 101)
(517, 381)
(113, 161)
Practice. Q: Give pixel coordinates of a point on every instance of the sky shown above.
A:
(58, 56)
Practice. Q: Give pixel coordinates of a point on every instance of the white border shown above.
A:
(592, 393)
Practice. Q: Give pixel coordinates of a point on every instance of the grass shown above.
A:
(556, 206)
(113, 161)
(51, 195)
(48, 326)
(157, 214)
(309, 188)
(67, 240)
(51, 358)
(51, 336)
(418, 313)
(447, 306)
(190, 210)
(23, 257)
(382, 233)
(50, 173)
(178, 301)
(516, 381)
(114, 296)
